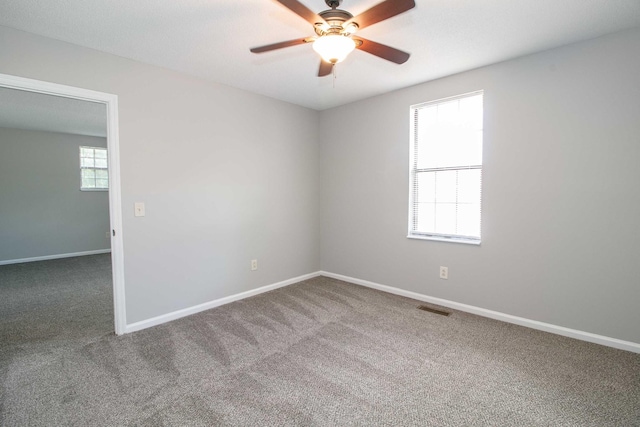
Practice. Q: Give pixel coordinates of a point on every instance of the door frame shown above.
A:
(115, 198)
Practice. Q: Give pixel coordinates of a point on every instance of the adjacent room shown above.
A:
(55, 264)
(310, 212)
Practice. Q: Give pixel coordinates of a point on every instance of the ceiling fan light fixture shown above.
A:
(351, 28)
(334, 48)
(335, 27)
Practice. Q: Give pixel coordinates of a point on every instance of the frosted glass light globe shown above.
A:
(334, 48)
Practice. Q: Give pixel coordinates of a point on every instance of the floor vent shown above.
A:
(433, 310)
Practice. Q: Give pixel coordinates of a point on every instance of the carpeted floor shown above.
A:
(320, 352)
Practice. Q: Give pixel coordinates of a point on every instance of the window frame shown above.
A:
(414, 171)
(82, 187)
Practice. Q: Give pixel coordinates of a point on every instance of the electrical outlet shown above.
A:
(254, 264)
(444, 272)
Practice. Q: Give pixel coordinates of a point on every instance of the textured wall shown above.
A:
(560, 234)
(227, 176)
(42, 210)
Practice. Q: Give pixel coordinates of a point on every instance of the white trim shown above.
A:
(448, 99)
(444, 239)
(57, 256)
(533, 324)
(164, 318)
(115, 200)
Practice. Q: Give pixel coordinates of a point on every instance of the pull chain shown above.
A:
(333, 71)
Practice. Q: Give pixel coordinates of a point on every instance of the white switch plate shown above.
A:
(444, 272)
(254, 264)
(139, 209)
(108, 235)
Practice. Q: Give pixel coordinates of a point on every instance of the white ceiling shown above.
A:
(36, 111)
(210, 39)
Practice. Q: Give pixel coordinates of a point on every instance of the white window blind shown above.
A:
(446, 169)
(94, 171)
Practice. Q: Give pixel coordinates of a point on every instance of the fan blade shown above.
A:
(302, 11)
(380, 12)
(383, 51)
(325, 68)
(280, 45)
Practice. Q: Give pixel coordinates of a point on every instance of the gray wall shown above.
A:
(561, 197)
(227, 176)
(42, 210)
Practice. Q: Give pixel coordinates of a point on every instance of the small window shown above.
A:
(446, 169)
(93, 169)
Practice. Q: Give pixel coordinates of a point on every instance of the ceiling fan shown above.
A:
(335, 28)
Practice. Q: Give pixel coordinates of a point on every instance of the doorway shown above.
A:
(110, 104)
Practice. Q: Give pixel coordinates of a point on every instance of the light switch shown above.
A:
(139, 209)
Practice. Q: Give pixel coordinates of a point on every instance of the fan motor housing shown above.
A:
(335, 15)
(335, 18)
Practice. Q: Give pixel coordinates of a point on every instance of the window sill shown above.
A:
(446, 239)
(94, 189)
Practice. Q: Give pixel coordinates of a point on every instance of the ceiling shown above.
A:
(210, 39)
(20, 109)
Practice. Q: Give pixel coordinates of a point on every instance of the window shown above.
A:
(446, 169)
(93, 168)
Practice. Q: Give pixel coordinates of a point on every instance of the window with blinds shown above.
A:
(94, 173)
(446, 169)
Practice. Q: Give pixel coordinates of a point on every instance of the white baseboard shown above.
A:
(143, 324)
(57, 256)
(534, 324)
